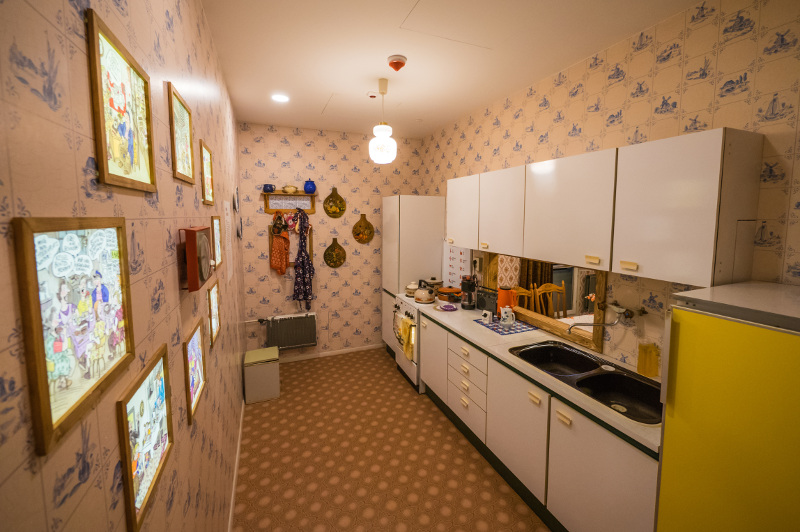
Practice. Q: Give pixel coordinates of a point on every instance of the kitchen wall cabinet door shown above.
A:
(596, 481)
(685, 206)
(516, 426)
(433, 356)
(462, 211)
(502, 211)
(387, 317)
(569, 209)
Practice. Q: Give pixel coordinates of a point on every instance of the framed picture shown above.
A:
(207, 172)
(144, 416)
(216, 236)
(213, 311)
(180, 127)
(76, 316)
(194, 362)
(123, 121)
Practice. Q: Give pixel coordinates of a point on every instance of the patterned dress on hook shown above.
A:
(303, 268)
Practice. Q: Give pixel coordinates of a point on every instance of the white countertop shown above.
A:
(461, 322)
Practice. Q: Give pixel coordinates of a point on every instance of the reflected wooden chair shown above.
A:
(545, 300)
(524, 296)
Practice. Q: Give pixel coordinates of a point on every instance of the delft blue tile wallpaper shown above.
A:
(48, 168)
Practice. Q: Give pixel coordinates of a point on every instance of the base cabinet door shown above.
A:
(387, 317)
(596, 481)
(516, 426)
(433, 356)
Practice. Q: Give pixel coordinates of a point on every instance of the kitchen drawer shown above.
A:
(467, 388)
(469, 412)
(468, 352)
(475, 376)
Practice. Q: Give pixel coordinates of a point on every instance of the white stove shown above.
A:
(406, 307)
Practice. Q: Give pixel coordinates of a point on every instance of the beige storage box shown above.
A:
(262, 380)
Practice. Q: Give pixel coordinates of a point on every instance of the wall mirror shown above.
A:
(582, 300)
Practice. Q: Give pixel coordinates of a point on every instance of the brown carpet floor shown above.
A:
(349, 446)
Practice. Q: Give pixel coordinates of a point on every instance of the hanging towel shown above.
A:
(407, 332)
(303, 267)
(279, 256)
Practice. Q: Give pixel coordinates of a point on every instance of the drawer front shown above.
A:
(466, 387)
(469, 412)
(475, 376)
(468, 352)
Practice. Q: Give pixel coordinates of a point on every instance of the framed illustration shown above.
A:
(180, 128)
(194, 362)
(213, 311)
(76, 316)
(123, 121)
(144, 417)
(216, 237)
(207, 173)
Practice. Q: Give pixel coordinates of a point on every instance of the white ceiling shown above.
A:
(462, 54)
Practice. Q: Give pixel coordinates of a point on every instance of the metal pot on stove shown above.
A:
(424, 293)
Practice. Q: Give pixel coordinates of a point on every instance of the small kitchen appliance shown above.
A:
(424, 293)
(468, 292)
(487, 300)
(506, 297)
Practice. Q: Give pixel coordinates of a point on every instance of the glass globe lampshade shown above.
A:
(382, 148)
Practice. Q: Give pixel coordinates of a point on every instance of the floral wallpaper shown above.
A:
(48, 168)
(733, 63)
(347, 300)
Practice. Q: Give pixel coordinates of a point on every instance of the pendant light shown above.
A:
(382, 148)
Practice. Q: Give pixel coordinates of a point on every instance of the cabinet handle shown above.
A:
(464, 368)
(465, 351)
(591, 259)
(565, 419)
(628, 265)
(465, 386)
(534, 398)
(449, 240)
(424, 323)
(465, 402)
(484, 245)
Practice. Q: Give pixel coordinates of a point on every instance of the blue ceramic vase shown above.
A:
(309, 187)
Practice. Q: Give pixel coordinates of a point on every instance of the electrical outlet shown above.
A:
(477, 264)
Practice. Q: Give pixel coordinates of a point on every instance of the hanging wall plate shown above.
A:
(363, 231)
(335, 255)
(334, 205)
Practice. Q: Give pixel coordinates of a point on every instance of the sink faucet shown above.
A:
(622, 312)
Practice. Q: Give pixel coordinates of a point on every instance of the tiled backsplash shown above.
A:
(47, 168)
(718, 64)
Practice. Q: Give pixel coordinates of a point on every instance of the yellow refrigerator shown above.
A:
(730, 455)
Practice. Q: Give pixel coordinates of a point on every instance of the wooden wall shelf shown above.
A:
(285, 202)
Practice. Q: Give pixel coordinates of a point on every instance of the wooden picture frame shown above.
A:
(216, 241)
(196, 373)
(180, 119)
(310, 242)
(57, 261)
(207, 173)
(158, 438)
(120, 96)
(213, 312)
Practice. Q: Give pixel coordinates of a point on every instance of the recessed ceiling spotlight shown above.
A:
(281, 98)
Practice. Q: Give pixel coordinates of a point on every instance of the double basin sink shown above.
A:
(630, 394)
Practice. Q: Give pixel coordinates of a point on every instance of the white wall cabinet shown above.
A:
(502, 211)
(433, 356)
(686, 207)
(463, 206)
(596, 481)
(576, 195)
(516, 426)
(387, 317)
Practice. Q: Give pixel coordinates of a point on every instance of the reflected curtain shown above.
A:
(534, 272)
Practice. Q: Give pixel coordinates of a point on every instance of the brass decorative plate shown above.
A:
(335, 255)
(363, 230)
(334, 205)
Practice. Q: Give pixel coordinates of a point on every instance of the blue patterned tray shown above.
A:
(518, 327)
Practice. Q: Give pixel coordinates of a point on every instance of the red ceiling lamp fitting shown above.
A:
(397, 62)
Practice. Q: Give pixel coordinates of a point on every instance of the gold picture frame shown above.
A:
(180, 127)
(67, 324)
(216, 241)
(194, 371)
(123, 118)
(213, 312)
(207, 173)
(137, 447)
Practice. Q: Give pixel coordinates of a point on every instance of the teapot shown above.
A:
(507, 317)
(424, 293)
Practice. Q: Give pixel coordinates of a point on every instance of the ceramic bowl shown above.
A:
(290, 189)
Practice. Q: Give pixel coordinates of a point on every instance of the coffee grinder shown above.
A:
(468, 288)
